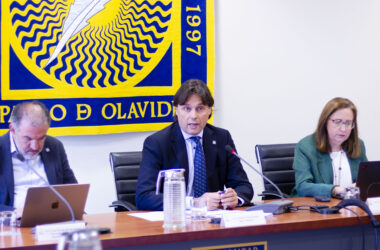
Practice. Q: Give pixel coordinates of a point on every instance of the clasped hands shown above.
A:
(221, 199)
(340, 191)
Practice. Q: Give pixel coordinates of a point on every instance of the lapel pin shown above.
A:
(47, 150)
(214, 142)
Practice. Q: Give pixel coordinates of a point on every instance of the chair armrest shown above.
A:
(122, 206)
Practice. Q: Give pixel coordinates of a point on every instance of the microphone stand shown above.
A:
(275, 207)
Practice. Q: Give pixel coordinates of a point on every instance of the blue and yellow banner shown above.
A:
(103, 66)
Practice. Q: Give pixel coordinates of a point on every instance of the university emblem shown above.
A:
(103, 66)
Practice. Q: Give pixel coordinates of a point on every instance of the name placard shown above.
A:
(374, 204)
(54, 231)
(243, 218)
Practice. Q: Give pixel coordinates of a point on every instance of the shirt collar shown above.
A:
(13, 146)
(187, 136)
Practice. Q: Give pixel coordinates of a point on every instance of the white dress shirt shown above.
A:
(24, 177)
(190, 148)
(341, 169)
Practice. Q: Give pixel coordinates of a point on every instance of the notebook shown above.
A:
(368, 179)
(43, 206)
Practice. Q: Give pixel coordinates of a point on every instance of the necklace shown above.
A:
(337, 169)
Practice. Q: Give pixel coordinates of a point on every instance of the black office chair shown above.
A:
(125, 166)
(276, 162)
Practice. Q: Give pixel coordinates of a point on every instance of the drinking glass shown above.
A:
(198, 209)
(8, 223)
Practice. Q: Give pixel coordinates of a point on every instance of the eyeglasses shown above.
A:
(199, 109)
(347, 124)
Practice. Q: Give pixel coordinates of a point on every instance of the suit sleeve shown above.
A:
(68, 176)
(146, 198)
(6, 208)
(305, 181)
(237, 177)
(363, 156)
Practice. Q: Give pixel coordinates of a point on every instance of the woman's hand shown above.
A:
(338, 191)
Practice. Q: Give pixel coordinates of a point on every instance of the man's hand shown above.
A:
(19, 212)
(229, 198)
(213, 200)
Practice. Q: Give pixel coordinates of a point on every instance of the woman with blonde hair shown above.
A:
(327, 161)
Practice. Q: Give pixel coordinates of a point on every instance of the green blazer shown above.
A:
(313, 169)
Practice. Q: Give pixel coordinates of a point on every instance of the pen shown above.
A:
(224, 206)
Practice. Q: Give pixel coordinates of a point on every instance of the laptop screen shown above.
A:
(42, 205)
(368, 179)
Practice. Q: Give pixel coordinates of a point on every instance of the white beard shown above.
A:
(30, 157)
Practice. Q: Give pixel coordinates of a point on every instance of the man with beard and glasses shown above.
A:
(26, 145)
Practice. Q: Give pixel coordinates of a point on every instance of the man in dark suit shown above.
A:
(174, 147)
(27, 136)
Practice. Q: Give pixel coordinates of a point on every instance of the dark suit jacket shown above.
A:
(167, 149)
(55, 161)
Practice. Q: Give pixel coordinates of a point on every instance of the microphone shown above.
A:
(275, 207)
(362, 205)
(20, 157)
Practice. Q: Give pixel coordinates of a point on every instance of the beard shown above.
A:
(29, 156)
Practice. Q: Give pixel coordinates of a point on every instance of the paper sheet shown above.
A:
(150, 216)
(159, 215)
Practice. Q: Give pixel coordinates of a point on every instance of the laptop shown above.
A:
(368, 179)
(43, 206)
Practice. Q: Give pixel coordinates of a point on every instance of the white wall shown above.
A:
(277, 63)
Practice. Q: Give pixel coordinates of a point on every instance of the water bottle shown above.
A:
(174, 197)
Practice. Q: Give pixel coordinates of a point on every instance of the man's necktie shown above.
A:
(200, 178)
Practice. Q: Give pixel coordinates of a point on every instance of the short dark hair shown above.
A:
(21, 110)
(193, 87)
(352, 145)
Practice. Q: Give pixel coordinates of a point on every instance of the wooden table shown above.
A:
(297, 229)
